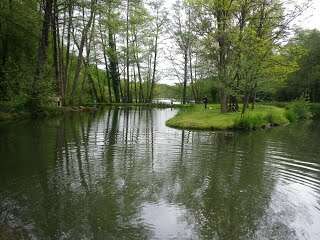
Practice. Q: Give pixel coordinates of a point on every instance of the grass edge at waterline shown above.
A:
(198, 118)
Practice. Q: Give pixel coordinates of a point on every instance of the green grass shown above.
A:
(198, 118)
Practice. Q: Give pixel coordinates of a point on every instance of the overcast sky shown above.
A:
(311, 17)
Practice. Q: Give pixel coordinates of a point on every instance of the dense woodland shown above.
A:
(87, 51)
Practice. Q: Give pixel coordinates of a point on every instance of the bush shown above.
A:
(250, 121)
(315, 110)
(270, 116)
(298, 110)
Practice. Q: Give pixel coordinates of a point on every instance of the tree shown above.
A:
(303, 80)
(159, 20)
(41, 56)
(20, 24)
(239, 37)
(84, 36)
(182, 35)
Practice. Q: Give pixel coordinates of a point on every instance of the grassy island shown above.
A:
(198, 118)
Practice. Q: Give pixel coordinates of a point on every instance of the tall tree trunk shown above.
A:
(4, 56)
(153, 80)
(81, 47)
(195, 97)
(113, 60)
(66, 70)
(223, 101)
(149, 76)
(254, 95)
(245, 104)
(101, 88)
(222, 43)
(105, 62)
(185, 77)
(56, 44)
(61, 47)
(135, 85)
(127, 54)
(93, 87)
(42, 55)
(136, 56)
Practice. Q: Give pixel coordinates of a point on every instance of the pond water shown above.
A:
(122, 174)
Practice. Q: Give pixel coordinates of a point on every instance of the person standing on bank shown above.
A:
(205, 101)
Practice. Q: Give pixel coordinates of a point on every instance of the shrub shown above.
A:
(315, 110)
(271, 116)
(298, 110)
(276, 118)
(250, 121)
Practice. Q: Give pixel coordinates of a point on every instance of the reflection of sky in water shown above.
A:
(167, 221)
(294, 209)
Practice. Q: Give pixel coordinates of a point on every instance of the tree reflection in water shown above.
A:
(121, 174)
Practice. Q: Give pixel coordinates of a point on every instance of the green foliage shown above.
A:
(239, 60)
(250, 121)
(19, 31)
(305, 80)
(298, 110)
(256, 120)
(315, 110)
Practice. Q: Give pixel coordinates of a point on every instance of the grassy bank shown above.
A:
(198, 118)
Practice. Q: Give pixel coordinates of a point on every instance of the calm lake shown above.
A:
(122, 174)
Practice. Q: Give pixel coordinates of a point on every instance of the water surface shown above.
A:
(122, 174)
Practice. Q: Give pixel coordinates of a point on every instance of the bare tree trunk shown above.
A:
(56, 47)
(149, 76)
(222, 55)
(153, 80)
(106, 63)
(81, 47)
(61, 55)
(66, 70)
(101, 88)
(127, 55)
(245, 104)
(196, 88)
(113, 60)
(185, 77)
(93, 87)
(141, 94)
(195, 97)
(135, 85)
(223, 101)
(253, 96)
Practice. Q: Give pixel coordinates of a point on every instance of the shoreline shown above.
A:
(189, 117)
(10, 113)
(14, 115)
(210, 119)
